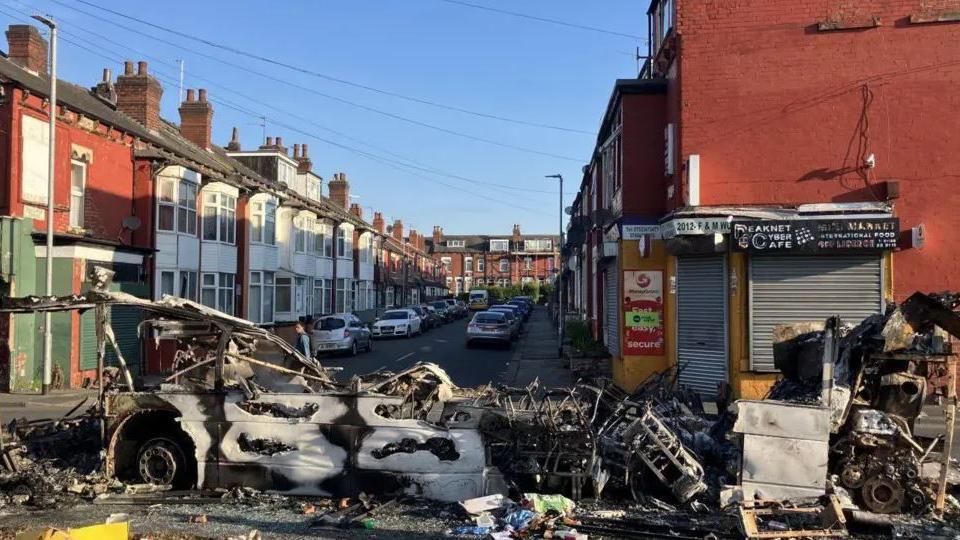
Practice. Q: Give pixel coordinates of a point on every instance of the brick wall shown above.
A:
(784, 113)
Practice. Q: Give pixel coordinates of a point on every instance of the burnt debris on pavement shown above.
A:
(244, 416)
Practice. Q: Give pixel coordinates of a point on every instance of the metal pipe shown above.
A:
(51, 163)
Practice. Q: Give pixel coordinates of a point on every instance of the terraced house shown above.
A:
(246, 231)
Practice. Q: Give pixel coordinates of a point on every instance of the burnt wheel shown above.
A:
(161, 461)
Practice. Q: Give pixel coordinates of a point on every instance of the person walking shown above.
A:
(303, 340)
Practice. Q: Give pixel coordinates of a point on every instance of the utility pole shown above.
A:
(51, 162)
(560, 267)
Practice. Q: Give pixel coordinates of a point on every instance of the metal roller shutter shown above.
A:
(791, 289)
(701, 322)
(611, 289)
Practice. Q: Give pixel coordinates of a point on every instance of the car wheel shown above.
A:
(161, 461)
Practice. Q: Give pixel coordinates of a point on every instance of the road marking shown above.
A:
(404, 357)
(441, 341)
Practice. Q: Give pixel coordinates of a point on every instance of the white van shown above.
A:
(479, 300)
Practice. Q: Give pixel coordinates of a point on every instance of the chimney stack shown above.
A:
(437, 236)
(234, 144)
(356, 210)
(27, 47)
(378, 224)
(398, 230)
(516, 233)
(138, 95)
(196, 119)
(412, 238)
(339, 190)
(104, 89)
(268, 144)
(304, 165)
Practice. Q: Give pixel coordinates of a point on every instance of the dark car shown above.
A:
(425, 322)
(525, 309)
(443, 310)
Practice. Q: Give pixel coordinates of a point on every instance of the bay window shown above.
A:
(344, 297)
(261, 297)
(217, 291)
(300, 235)
(187, 208)
(284, 294)
(188, 285)
(219, 217)
(166, 205)
(319, 297)
(263, 221)
(167, 279)
(344, 243)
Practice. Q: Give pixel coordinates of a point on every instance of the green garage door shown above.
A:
(124, 320)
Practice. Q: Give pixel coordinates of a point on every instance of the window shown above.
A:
(208, 291)
(528, 263)
(537, 245)
(166, 283)
(610, 166)
(447, 263)
(284, 295)
(188, 285)
(328, 293)
(344, 243)
(344, 295)
(660, 23)
(318, 238)
(481, 264)
(300, 234)
(364, 251)
(388, 302)
(300, 295)
(468, 264)
(187, 208)
(227, 282)
(219, 217)
(255, 298)
(78, 183)
(263, 222)
(504, 265)
(456, 243)
(166, 211)
(319, 297)
(499, 245)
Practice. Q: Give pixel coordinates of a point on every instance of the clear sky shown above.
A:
(432, 50)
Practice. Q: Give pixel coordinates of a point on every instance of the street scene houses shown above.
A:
(253, 233)
(486, 260)
(745, 326)
(790, 185)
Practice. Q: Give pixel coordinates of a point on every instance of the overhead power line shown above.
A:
(305, 71)
(331, 97)
(539, 19)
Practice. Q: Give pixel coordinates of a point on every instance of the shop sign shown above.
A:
(695, 226)
(816, 235)
(643, 312)
(640, 232)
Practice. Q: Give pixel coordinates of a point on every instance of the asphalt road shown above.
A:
(444, 346)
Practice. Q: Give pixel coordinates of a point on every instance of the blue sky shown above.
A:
(429, 49)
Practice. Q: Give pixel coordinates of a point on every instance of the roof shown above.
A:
(479, 243)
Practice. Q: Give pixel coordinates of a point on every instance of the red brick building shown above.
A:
(487, 260)
(805, 150)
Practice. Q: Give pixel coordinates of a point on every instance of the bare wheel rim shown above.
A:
(159, 462)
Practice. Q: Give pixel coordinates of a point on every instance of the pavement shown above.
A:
(533, 355)
(36, 406)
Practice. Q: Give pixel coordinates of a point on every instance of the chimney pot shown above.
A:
(234, 144)
(303, 150)
(269, 141)
(107, 74)
(203, 95)
(279, 141)
(190, 95)
(142, 67)
(128, 68)
(296, 151)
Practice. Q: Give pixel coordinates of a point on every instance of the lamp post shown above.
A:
(51, 162)
(560, 267)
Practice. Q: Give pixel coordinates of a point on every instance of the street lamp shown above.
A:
(51, 161)
(560, 266)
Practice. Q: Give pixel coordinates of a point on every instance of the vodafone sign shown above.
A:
(642, 305)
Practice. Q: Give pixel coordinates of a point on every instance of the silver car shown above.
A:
(489, 327)
(341, 333)
(512, 318)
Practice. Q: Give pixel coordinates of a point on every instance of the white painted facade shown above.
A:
(218, 246)
(177, 228)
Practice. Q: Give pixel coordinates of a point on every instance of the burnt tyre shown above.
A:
(162, 461)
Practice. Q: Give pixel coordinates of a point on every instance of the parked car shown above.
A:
(513, 318)
(397, 322)
(455, 308)
(443, 310)
(432, 316)
(525, 308)
(340, 333)
(424, 323)
(479, 300)
(490, 327)
(513, 309)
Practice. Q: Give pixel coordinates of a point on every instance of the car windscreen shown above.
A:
(488, 318)
(477, 296)
(394, 315)
(332, 324)
(507, 314)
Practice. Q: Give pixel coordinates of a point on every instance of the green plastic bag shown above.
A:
(543, 503)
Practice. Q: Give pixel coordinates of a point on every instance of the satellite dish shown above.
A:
(132, 223)
(568, 210)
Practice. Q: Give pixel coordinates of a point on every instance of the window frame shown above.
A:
(186, 207)
(220, 214)
(503, 262)
(288, 285)
(77, 206)
(167, 202)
